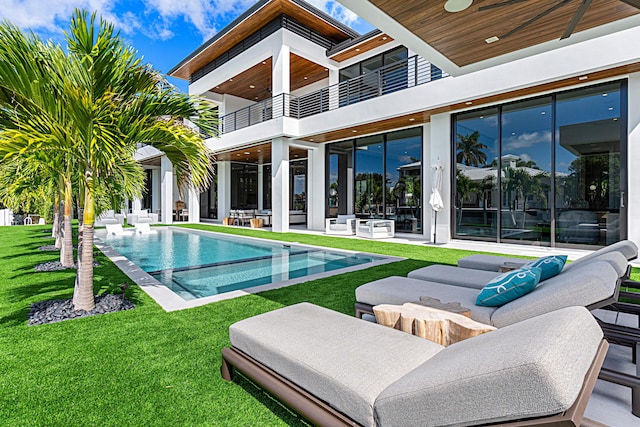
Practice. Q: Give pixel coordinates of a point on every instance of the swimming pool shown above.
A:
(196, 265)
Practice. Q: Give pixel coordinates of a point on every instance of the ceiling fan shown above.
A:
(575, 20)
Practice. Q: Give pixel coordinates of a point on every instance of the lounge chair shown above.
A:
(344, 225)
(336, 370)
(477, 279)
(144, 228)
(594, 285)
(494, 262)
(117, 230)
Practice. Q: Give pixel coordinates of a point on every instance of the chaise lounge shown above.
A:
(336, 370)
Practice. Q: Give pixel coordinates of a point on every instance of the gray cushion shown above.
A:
(618, 261)
(457, 276)
(489, 262)
(531, 369)
(398, 290)
(582, 286)
(342, 360)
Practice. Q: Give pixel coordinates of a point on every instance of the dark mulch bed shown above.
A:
(57, 265)
(48, 248)
(58, 310)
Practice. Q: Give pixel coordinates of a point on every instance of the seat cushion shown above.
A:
(531, 369)
(488, 262)
(457, 276)
(398, 290)
(509, 286)
(549, 265)
(336, 357)
(590, 284)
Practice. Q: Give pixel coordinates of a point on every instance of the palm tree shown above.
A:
(105, 102)
(470, 150)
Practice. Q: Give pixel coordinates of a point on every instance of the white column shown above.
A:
(280, 184)
(224, 189)
(334, 94)
(633, 158)
(316, 182)
(440, 142)
(193, 205)
(280, 71)
(136, 205)
(156, 190)
(260, 187)
(427, 177)
(166, 198)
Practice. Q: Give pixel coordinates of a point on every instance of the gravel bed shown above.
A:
(57, 265)
(58, 310)
(48, 248)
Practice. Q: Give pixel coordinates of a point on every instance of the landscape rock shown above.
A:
(58, 310)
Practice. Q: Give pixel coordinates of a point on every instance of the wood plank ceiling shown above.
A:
(260, 154)
(265, 14)
(461, 36)
(255, 83)
(358, 49)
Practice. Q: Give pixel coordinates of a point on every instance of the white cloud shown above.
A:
(526, 140)
(336, 10)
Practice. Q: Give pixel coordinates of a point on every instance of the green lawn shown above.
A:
(145, 366)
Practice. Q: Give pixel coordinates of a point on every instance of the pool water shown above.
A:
(195, 265)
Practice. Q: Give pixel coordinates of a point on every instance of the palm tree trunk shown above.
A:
(66, 252)
(56, 216)
(83, 293)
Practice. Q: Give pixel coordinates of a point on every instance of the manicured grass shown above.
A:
(145, 366)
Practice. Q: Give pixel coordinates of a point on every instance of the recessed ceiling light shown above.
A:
(326, 69)
(543, 113)
(482, 117)
(246, 152)
(583, 77)
(357, 49)
(252, 86)
(384, 38)
(295, 155)
(492, 39)
(259, 151)
(217, 87)
(354, 131)
(468, 103)
(238, 155)
(305, 77)
(615, 120)
(605, 94)
(310, 139)
(454, 6)
(412, 119)
(264, 62)
(230, 80)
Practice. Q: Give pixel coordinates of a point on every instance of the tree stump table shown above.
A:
(440, 326)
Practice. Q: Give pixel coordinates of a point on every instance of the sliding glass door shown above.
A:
(546, 171)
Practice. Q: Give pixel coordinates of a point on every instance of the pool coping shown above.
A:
(171, 301)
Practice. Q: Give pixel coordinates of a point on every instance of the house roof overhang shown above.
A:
(254, 18)
(457, 42)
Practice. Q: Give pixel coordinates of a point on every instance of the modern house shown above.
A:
(531, 107)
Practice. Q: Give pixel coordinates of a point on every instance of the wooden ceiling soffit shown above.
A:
(255, 83)
(259, 154)
(250, 24)
(360, 48)
(461, 36)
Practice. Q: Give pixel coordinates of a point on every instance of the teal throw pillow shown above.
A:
(509, 286)
(550, 265)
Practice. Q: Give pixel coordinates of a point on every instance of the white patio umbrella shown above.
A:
(436, 200)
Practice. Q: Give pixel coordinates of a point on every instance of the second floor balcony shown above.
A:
(413, 71)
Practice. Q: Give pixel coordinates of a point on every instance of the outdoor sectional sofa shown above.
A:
(337, 370)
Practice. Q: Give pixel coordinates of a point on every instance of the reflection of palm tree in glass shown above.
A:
(470, 150)
(520, 182)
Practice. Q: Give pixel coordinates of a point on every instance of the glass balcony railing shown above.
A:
(391, 78)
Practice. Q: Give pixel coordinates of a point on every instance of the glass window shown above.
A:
(298, 185)
(266, 187)
(588, 165)
(244, 186)
(526, 170)
(403, 180)
(476, 185)
(369, 165)
(340, 197)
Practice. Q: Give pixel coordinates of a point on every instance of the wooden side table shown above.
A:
(440, 326)
(510, 266)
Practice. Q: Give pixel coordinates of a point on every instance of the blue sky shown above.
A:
(163, 31)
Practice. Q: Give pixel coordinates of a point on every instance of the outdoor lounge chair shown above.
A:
(144, 228)
(494, 262)
(342, 225)
(117, 230)
(336, 370)
(477, 279)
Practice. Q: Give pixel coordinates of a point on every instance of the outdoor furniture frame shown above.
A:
(344, 225)
(375, 228)
(321, 412)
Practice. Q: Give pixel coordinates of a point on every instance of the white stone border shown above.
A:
(171, 301)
